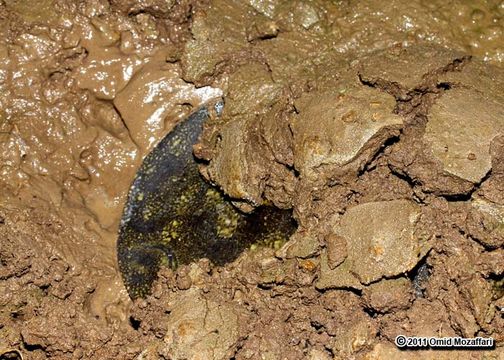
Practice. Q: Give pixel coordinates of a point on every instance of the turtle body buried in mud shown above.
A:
(173, 216)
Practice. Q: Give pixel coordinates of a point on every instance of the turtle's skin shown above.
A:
(174, 217)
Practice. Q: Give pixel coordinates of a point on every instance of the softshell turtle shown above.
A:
(173, 216)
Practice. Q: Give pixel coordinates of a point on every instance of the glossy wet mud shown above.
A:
(173, 216)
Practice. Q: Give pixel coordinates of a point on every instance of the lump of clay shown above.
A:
(359, 335)
(247, 144)
(480, 77)
(334, 128)
(486, 223)
(399, 71)
(238, 174)
(454, 106)
(389, 295)
(199, 326)
(382, 241)
(251, 90)
(465, 121)
(461, 127)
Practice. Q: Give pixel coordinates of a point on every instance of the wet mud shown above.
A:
(378, 125)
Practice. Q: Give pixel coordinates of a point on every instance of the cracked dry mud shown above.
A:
(385, 138)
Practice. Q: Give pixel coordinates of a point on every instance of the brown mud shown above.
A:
(379, 123)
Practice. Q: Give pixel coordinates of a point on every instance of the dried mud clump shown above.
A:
(382, 239)
(384, 138)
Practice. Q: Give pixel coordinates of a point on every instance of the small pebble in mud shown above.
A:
(307, 265)
(174, 217)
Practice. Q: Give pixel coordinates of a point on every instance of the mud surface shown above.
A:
(379, 123)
